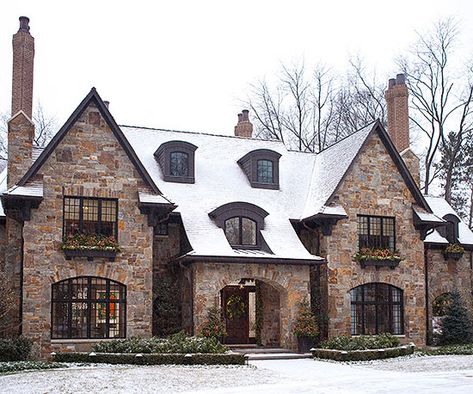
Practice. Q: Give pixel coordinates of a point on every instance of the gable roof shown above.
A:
(92, 97)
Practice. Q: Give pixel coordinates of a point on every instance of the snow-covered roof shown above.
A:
(147, 198)
(440, 208)
(220, 180)
(31, 190)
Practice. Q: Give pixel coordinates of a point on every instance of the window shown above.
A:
(177, 161)
(376, 232)
(179, 164)
(376, 308)
(240, 231)
(86, 215)
(261, 166)
(242, 224)
(264, 171)
(450, 230)
(88, 307)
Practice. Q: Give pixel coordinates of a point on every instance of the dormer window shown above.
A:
(242, 224)
(450, 230)
(177, 161)
(241, 231)
(264, 171)
(261, 166)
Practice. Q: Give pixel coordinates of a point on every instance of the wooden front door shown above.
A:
(235, 311)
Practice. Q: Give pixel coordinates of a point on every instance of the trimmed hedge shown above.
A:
(17, 349)
(363, 342)
(15, 366)
(152, 358)
(363, 355)
(177, 343)
(450, 350)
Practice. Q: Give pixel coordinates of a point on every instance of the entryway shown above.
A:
(251, 309)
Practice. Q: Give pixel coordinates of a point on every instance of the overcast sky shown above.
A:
(187, 65)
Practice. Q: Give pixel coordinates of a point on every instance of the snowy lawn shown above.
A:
(438, 374)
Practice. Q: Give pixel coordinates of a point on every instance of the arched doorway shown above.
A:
(251, 309)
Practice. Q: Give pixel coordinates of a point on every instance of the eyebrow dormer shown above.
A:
(261, 166)
(177, 161)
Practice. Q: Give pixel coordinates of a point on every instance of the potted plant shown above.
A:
(453, 252)
(378, 257)
(214, 326)
(90, 246)
(305, 328)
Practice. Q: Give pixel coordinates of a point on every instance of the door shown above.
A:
(235, 311)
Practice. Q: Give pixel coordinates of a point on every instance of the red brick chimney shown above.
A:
(20, 126)
(244, 128)
(398, 112)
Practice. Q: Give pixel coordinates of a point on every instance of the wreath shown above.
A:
(235, 307)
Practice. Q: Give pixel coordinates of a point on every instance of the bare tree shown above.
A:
(441, 104)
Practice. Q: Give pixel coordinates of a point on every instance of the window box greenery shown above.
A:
(90, 246)
(378, 258)
(453, 252)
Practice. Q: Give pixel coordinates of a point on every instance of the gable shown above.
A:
(92, 99)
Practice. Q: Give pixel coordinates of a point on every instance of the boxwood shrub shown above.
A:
(15, 366)
(363, 355)
(177, 343)
(382, 341)
(17, 349)
(450, 350)
(152, 358)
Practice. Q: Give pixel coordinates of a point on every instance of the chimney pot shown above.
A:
(244, 128)
(24, 23)
(392, 82)
(240, 117)
(245, 115)
(400, 79)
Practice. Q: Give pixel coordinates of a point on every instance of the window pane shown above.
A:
(397, 320)
(71, 215)
(376, 232)
(232, 230)
(109, 211)
(370, 320)
(179, 164)
(79, 320)
(248, 228)
(264, 171)
(383, 319)
(79, 288)
(356, 319)
(90, 216)
(60, 320)
(370, 292)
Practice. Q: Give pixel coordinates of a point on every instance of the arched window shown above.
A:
(376, 308)
(241, 231)
(264, 171)
(88, 307)
(179, 164)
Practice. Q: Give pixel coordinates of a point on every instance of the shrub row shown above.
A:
(17, 349)
(177, 343)
(151, 358)
(14, 366)
(450, 350)
(364, 342)
(363, 355)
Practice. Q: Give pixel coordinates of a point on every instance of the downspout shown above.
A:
(20, 309)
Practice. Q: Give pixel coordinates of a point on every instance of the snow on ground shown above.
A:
(439, 374)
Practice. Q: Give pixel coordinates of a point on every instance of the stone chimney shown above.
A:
(397, 99)
(244, 128)
(20, 126)
(23, 62)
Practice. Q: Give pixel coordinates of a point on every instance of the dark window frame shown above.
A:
(81, 214)
(240, 243)
(377, 303)
(450, 230)
(243, 209)
(163, 157)
(249, 164)
(89, 301)
(372, 243)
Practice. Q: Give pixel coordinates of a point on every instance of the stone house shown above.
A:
(107, 220)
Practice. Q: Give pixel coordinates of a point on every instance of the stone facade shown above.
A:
(290, 281)
(89, 161)
(374, 186)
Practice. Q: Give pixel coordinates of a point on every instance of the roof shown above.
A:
(440, 208)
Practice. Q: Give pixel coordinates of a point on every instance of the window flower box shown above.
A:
(378, 258)
(90, 246)
(453, 252)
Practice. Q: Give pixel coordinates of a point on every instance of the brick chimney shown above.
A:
(244, 128)
(398, 112)
(397, 99)
(20, 126)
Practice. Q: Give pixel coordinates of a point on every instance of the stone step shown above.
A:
(277, 356)
(259, 350)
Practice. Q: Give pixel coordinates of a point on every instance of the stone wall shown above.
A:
(270, 330)
(448, 276)
(374, 186)
(89, 161)
(290, 281)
